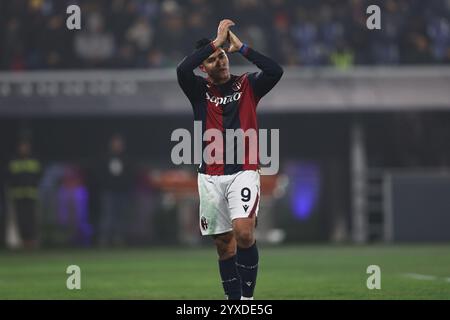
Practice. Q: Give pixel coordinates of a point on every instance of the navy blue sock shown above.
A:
(230, 278)
(247, 266)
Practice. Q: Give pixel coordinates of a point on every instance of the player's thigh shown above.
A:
(225, 244)
(243, 196)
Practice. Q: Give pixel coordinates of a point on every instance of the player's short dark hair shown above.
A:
(202, 42)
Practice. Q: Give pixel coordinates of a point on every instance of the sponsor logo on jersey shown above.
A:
(224, 100)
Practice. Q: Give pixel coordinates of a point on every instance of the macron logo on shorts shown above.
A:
(204, 223)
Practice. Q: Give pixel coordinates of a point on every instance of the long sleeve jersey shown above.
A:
(228, 106)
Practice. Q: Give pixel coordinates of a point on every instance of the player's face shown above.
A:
(217, 66)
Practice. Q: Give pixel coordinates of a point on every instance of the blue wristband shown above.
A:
(243, 48)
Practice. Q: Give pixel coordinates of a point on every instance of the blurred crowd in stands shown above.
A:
(158, 33)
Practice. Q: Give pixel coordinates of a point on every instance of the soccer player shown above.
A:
(229, 193)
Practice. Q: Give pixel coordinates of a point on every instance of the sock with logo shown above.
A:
(247, 266)
(230, 278)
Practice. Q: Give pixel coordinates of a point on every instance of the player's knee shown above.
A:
(225, 252)
(245, 238)
(226, 246)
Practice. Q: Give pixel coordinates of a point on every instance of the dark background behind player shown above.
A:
(364, 147)
(338, 145)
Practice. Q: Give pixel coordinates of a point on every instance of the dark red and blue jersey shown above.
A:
(231, 105)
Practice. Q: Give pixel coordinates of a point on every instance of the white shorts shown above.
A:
(225, 198)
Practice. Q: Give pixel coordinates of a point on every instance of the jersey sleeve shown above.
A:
(191, 84)
(262, 82)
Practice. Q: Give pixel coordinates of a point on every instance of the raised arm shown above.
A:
(271, 71)
(188, 81)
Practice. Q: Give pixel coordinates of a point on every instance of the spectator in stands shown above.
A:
(152, 33)
(95, 45)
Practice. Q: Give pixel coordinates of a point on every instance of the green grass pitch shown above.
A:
(287, 273)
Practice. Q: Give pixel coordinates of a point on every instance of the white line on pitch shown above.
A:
(420, 276)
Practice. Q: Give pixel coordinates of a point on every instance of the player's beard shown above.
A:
(222, 75)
